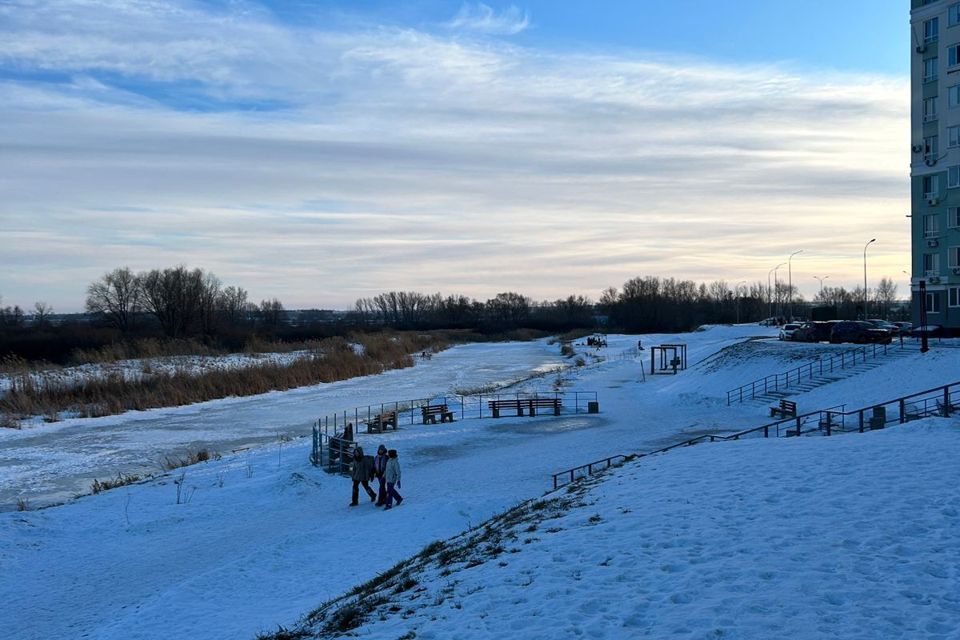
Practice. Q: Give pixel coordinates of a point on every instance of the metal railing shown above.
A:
(475, 406)
(939, 401)
(819, 367)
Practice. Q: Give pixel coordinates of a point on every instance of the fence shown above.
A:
(938, 401)
(818, 367)
(409, 411)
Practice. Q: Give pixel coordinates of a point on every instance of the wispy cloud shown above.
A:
(392, 157)
(483, 18)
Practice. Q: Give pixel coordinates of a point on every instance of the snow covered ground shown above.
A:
(264, 537)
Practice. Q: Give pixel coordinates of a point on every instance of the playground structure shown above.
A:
(668, 359)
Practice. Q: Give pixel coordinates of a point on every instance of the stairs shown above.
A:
(816, 381)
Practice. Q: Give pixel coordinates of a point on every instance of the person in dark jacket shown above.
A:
(360, 472)
(379, 472)
(392, 476)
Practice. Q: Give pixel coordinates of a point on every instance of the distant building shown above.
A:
(935, 160)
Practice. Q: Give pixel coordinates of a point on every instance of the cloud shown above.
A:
(398, 158)
(482, 18)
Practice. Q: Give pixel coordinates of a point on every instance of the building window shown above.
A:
(933, 302)
(953, 177)
(931, 264)
(953, 136)
(953, 297)
(953, 96)
(953, 257)
(931, 30)
(953, 15)
(929, 69)
(931, 146)
(953, 54)
(931, 226)
(953, 217)
(930, 110)
(931, 186)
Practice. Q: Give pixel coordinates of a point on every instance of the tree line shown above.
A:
(180, 303)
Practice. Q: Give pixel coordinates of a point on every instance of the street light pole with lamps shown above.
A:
(821, 279)
(865, 314)
(775, 285)
(790, 280)
(770, 291)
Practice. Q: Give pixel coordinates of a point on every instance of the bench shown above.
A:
(530, 404)
(431, 411)
(381, 421)
(787, 409)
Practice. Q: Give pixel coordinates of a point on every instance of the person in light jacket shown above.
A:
(380, 473)
(392, 476)
(360, 472)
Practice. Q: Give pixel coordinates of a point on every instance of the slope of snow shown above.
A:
(848, 537)
(261, 537)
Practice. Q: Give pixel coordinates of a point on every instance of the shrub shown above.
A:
(120, 481)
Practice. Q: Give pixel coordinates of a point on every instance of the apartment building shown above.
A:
(935, 160)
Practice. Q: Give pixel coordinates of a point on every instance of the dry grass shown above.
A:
(112, 483)
(195, 457)
(335, 359)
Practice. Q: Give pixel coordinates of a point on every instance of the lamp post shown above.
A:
(821, 279)
(865, 314)
(775, 286)
(737, 292)
(790, 280)
(770, 291)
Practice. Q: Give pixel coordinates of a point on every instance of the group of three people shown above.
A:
(384, 468)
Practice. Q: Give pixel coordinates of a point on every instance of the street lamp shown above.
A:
(737, 292)
(776, 288)
(865, 314)
(790, 280)
(770, 291)
(821, 279)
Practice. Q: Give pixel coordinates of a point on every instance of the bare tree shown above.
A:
(271, 312)
(174, 296)
(117, 296)
(41, 313)
(885, 295)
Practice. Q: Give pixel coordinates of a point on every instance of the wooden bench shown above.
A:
(379, 422)
(787, 409)
(431, 411)
(530, 404)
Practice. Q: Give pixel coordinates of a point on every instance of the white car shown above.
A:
(786, 331)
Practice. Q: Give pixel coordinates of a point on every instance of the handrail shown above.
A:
(777, 381)
(830, 420)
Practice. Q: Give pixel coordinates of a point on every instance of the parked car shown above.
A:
(768, 322)
(787, 330)
(883, 324)
(932, 331)
(905, 327)
(814, 331)
(860, 332)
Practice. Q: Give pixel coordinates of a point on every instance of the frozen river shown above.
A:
(53, 462)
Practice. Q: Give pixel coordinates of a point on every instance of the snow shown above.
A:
(825, 537)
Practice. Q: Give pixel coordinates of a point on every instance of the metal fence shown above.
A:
(939, 401)
(818, 367)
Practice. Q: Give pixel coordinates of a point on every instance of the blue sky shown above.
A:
(324, 151)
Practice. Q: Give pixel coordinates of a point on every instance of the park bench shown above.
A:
(530, 404)
(379, 422)
(431, 411)
(787, 409)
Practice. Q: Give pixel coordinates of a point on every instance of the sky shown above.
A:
(320, 152)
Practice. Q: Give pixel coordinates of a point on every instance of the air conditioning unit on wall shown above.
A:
(956, 271)
(934, 280)
(933, 201)
(932, 243)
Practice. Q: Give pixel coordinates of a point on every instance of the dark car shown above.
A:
(813, 332)
(858, 331)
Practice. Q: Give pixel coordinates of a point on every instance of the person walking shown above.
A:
(392, 476)
(380, 472)
(360, 473)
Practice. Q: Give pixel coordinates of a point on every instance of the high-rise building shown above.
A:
(935, 160)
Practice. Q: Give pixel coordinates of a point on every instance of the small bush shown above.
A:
(23, 504)
(195, 457)
(580, 362)
(566, 350)
(120, 481)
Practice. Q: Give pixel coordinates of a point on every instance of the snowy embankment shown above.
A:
(846, 537)
(261, 537)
